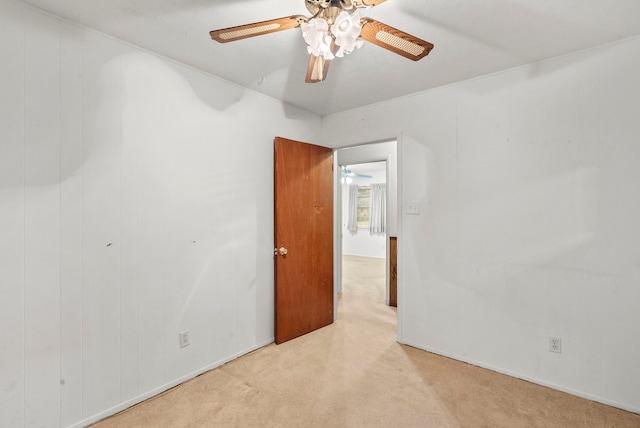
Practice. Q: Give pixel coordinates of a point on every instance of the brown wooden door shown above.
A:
(304, 227)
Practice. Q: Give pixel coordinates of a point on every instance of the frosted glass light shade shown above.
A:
(316, 34)
(346, 30)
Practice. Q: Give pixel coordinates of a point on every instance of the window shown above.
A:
(364, 207)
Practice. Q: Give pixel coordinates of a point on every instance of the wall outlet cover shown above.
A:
(184, 338)
(555, 345)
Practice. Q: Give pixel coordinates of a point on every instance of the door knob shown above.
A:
(283, 251)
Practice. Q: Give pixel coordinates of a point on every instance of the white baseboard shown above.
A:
(551, 385)
(140, 398)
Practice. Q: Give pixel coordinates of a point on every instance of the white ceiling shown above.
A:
(369, 168)
(471, 38)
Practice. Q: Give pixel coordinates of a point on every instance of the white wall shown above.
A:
(528, 188)
(135, 202)
(362, 243)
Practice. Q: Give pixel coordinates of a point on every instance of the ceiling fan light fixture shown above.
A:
(346, 30)
(334, 29)
(316, 34)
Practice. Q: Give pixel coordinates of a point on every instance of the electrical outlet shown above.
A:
(184, 338)
(555, 345)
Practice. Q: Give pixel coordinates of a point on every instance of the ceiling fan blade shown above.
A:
(394, 40)
(361, 175)
(317, 70)
(256, 29)
(372, 2)
(349, 173)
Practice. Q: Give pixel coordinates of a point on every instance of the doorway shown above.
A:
(364, 234)
(378, 161)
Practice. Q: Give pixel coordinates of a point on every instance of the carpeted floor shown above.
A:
(354, 374)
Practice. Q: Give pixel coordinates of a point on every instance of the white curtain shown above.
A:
(378, 213)
(352, 224)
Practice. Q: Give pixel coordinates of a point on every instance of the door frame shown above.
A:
(364, 153)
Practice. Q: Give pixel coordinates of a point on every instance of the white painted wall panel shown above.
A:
(130, 237)
(140, 130)
(71, 308)
(528, 184)
(42, 221)
(433, 173)
(246, 275)
(138, 221)
(175, 108)
(12, 215)
(129, 263)
(265, 298)
(102, 131)
(619, 200)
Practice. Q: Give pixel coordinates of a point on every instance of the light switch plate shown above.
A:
(413, 207)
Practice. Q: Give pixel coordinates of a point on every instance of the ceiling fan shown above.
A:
(348, 173)
(334, 29)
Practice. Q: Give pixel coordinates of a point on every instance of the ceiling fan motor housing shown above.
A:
(328, 9)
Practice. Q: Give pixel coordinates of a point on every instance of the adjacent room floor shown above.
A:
(354, 374)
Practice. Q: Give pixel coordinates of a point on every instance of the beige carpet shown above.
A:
(354, 374)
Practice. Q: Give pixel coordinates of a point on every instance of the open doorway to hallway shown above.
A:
(360, 254)
(364, 231)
